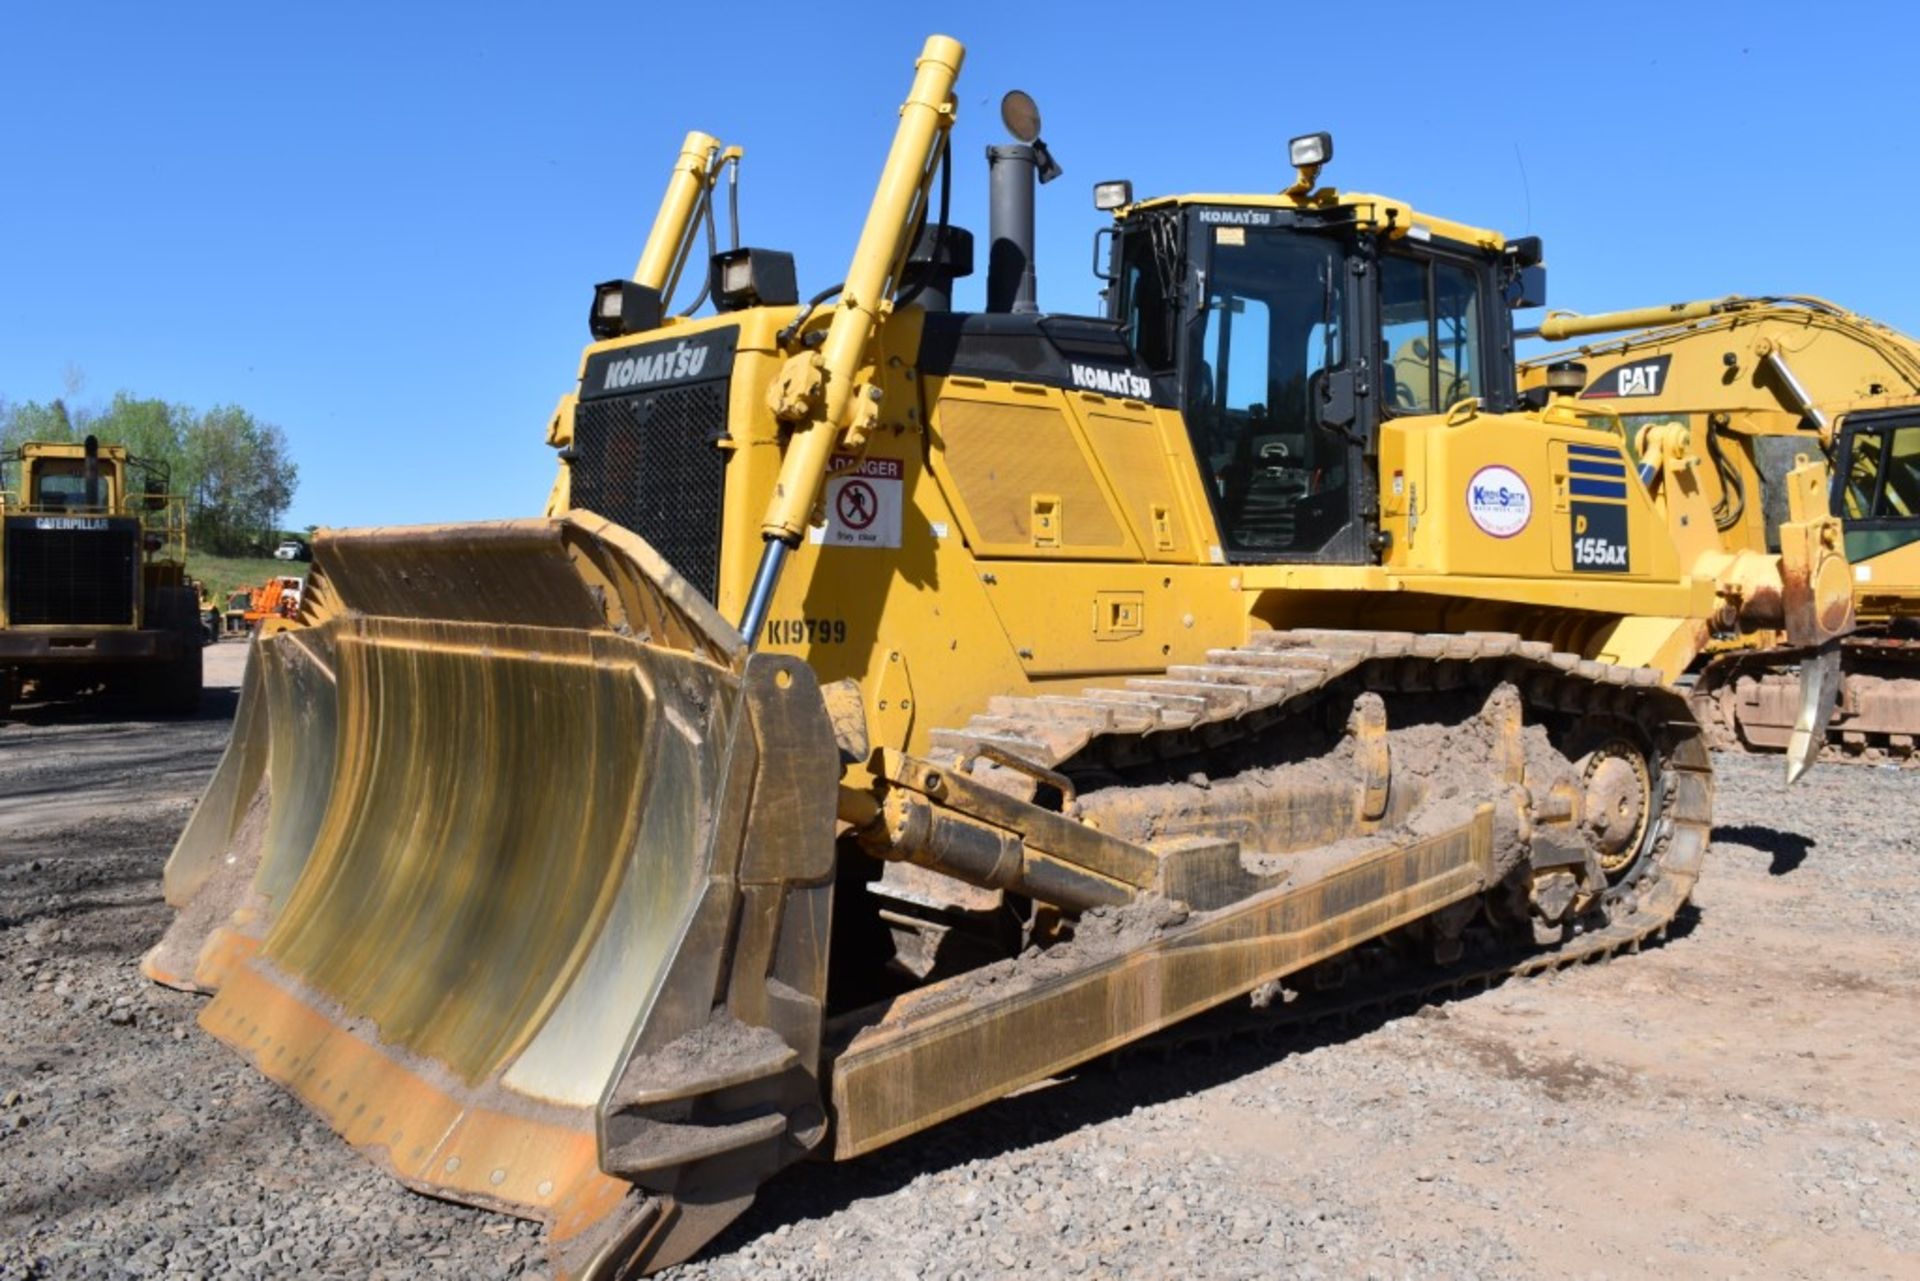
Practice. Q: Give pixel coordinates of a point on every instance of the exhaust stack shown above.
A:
(1010, 280)
(92, 473)
(1012, 172)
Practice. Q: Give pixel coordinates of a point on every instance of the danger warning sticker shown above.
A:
(863, 503)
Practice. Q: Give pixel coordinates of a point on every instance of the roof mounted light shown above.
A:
(1112, 195)
(1311, 149)
(1307, 153)
(623, 307)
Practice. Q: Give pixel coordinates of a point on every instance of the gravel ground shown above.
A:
(1736, 1102)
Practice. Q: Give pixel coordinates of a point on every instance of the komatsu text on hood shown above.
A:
(646, 366)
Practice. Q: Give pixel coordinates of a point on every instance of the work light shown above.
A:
(1310, 149)
(752, 278)
(623, 307)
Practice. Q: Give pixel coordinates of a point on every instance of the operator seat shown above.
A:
(1411, 367)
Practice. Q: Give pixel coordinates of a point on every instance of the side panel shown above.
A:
(1598, 528)
(1016, 465)
(1501, 496)
(1128, 444)
(1030, 533)
(1883, 583)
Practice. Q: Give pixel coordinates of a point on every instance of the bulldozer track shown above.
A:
(1847, 743)
(1395, 989)
(1244, 690)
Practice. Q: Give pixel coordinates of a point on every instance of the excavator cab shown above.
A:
(1876, 494)
(1880, 461)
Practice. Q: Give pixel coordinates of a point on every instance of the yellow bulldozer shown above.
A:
(1753, 386)
(93, 586)
(898, 706)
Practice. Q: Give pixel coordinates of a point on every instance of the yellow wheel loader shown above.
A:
(93, 587)
(898, 707)
(1755, 385)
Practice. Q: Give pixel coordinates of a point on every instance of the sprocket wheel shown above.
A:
(1623, 795)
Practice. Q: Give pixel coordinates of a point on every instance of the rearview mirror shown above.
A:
(1527, 288)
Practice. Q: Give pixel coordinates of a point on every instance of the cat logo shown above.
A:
(1641, 378)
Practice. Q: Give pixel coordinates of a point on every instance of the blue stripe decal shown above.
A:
(1594, 467)
(1607, 452)
(1597, 488)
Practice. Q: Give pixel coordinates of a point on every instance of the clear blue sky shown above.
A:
(378, 225)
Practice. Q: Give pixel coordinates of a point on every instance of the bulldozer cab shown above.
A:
(1291, 334)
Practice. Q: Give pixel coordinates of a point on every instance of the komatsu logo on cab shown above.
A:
(1115, 382)
(682, 360)
(1237, 217)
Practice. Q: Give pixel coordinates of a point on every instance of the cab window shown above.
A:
(1883, 475)
(1430, 333)
(61, 484)
(1271, 326)
(1147, 308)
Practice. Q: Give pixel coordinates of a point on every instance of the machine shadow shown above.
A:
(1787, 849)
(217, 703)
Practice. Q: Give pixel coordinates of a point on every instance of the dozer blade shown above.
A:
(518, 871)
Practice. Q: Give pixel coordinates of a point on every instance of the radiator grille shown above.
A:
(71, 577)
(649, 462)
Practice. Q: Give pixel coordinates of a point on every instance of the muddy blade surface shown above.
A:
(476, 856)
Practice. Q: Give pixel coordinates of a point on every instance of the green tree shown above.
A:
(35, 421)
(148, 428)
(233, 469)
(151, 430)
(241, 480)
